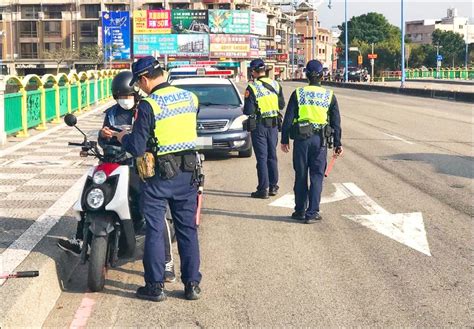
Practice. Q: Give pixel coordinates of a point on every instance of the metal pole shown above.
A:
(467, 44)
(437, 61)
(372, 62)
(403, 46)
(346, 71)
(315, 36)
(293, 42)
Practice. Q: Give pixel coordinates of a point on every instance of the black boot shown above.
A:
(262, 194)
(298, 216)
(273, 190)
(152, 291)
(316, 218)
(192, 290)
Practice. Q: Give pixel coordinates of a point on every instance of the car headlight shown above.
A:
(237, 124)
(99, 177)
(95, 198)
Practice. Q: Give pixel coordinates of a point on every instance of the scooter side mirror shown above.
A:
(70, 120)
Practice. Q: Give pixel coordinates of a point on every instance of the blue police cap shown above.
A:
(143, 66)
(257, 64)
(314, 66)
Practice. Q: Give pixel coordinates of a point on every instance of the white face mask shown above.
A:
(126, 104)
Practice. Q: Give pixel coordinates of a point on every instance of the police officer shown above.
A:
(120, 114)
(166, 121)
(263, 102)
(310, 110)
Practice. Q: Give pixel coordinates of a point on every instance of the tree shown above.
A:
(452, 45)
(94, 54)
(371, 28)
(61, 55)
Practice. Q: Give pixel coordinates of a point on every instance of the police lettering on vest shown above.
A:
(175, 113)
(267, 100)
(313, 105)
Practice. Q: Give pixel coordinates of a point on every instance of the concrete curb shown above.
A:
(444, 81)
(456, 96)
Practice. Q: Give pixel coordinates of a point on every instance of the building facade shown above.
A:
(420, 31)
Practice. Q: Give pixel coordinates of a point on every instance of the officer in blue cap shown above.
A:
(166, 128)
(311, 116)
(263, 102)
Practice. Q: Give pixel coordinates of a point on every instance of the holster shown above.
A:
(328, 136)
(168, 166)
(250, 124)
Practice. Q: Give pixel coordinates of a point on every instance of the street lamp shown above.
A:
(402, 85)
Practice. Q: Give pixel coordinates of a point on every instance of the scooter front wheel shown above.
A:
(97, 263)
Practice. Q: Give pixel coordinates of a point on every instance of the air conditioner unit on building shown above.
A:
(41, 15)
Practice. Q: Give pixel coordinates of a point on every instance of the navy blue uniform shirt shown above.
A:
(292, 113)
(250, 103)
(120, 117)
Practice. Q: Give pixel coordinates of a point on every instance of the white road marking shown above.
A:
(70, 171)
(399, 138)
(288, 200)
(39, 136)
(8, 188)
(17, 252)
(406, 228)
(40, 163)
(31, 196)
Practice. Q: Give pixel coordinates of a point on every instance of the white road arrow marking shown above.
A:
(406, 228)
(288, 200)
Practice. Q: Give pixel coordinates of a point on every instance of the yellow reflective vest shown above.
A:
(175, 113)
(267, 100)
(313, 105)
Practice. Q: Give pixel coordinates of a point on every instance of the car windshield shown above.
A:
(214, 94)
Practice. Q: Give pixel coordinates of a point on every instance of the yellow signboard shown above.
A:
(151, 22)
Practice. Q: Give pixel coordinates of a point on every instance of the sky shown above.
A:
(414, 10)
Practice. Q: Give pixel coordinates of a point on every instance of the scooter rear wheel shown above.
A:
(97, 263)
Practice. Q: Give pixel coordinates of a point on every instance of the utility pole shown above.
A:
(293, 41)
(315, 37)
(438, 62)
(372, 62)
(346, 48)
(402, 85)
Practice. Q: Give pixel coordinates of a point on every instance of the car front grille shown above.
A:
(221, 145)
(212, 125)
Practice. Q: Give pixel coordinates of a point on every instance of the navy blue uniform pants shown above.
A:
(265, 142)
(308, 157)
(181, 196)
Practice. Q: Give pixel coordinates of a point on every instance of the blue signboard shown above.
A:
(116, 35)
(439, 58)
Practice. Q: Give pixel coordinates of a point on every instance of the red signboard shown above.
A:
(372, 56)
(282, 57)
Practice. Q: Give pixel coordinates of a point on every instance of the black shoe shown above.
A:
(192, 291)
(169, 272)
(152, 291)
(313, 219)
(273, 190)
(73, 246)
(260, 194)
(298, 216)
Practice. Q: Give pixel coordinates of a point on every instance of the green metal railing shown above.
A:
(33, 101)
(443, 73)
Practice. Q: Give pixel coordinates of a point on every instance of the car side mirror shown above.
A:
(70, 120)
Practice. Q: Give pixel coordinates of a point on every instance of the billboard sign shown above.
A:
(189, 21)
(258, 23)
(229, 21)
(179, 45)
(151, 22)
(116, 35)
(230, 46)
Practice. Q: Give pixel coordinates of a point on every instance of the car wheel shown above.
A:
(246, 153)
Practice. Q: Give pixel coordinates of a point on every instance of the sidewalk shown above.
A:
(40, 178)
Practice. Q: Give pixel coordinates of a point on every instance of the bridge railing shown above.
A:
(33, 101)
(457, 73)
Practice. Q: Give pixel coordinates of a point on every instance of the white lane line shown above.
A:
(31, 196)
(399, 138)
(39, 136)
(84, 312)
(8, 188)
(17, 252)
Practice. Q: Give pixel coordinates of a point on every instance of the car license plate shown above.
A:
(204, 143)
